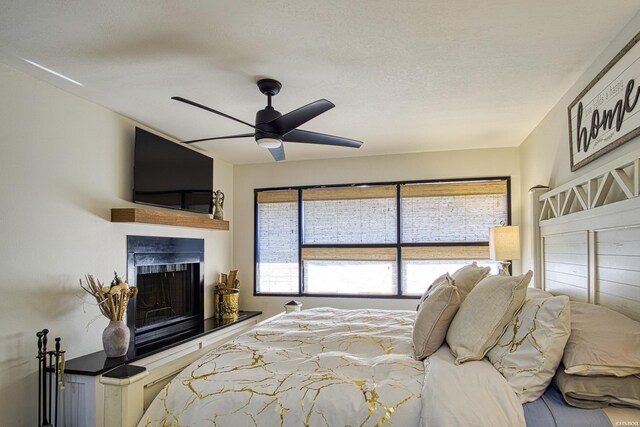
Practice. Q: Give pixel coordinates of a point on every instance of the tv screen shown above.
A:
(169, 175)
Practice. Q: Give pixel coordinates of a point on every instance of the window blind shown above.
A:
(452, 212)
(413, 253)
(277, 266)
(349, 254)
(352, 215)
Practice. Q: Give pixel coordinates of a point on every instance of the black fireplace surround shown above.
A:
(169, 275)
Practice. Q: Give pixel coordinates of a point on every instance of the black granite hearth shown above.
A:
(98, 363)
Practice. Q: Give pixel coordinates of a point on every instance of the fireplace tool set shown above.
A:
(50, 380)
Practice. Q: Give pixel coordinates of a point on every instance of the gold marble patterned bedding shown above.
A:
(317, 367)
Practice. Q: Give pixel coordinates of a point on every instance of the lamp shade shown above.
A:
(504, 242)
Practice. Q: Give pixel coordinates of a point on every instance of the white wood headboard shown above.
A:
(587, 244)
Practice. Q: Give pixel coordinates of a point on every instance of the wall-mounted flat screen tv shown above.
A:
(170, 175)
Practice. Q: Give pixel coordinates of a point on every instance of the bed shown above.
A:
(321, 367)
(349, 367)
(330, 367)
(293, 367)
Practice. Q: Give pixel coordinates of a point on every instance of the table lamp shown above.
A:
(504, 245)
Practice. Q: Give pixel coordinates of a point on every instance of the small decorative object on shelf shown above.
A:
(112, 301)
(226, 295)
(218, 202)
(292, 306)
(50, 380)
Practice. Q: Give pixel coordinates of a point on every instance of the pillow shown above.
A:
(530, 350)
(472, 394)
(484, 314)
(598, 392)
(469, 276)
(538, 293)
(445, 278)
(433, 319)
(602, 342)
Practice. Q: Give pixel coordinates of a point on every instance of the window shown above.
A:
(373, 240)
(277, 265)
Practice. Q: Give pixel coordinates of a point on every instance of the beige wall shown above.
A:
(64, 164)
(437, 165)
(544, 154)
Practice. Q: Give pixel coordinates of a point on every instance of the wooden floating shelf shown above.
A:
(151, 216)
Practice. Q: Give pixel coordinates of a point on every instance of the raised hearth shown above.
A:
(98, 363)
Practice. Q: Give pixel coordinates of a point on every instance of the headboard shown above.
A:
(587, 241)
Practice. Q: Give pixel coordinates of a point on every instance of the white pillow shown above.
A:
(531, 348)
(538, 293)
(484, 314)
(471, 394)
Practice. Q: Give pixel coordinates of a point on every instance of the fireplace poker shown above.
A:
(61, 388)
(44, 377)
(51, 353)
(39, 335)
(57, 354)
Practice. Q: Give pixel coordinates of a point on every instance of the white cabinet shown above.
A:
(119, 397)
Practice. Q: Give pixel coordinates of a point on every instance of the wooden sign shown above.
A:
(605, 114)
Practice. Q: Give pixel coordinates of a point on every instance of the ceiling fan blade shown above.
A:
(195, 104)
(277, 153)
(308, 137)
(295, 118)
(243, 135)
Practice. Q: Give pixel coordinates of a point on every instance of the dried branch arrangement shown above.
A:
(229, 282)
(112, 300)
(226, 295)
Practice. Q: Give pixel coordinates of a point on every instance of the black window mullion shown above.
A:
(399, 291)
(300, 237)
(256, 253)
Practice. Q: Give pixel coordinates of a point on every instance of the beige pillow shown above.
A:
(469, 276)
(440, 280)
(538, 293)
(598, 391)
(433, 319)
(602, 342)
(484, 314)
(530, 350)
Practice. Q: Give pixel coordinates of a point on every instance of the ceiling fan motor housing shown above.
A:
(266, 131)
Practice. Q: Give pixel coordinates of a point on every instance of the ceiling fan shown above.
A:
(272, 127)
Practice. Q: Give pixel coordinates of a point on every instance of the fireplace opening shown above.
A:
(169, 275)
(165, 292)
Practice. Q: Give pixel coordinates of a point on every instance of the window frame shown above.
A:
(398, 245)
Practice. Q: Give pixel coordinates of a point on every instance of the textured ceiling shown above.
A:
(406, 76)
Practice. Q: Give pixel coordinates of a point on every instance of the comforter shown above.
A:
(330, 367)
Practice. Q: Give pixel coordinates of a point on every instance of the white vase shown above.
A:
(115, 338)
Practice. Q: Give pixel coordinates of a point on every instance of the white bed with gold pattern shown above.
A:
(316, 367)
(320, 367)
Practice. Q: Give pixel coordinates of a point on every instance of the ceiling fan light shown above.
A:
(269, 142)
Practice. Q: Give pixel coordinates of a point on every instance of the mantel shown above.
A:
(176, 219)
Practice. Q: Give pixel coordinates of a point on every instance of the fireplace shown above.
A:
(169, 275)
